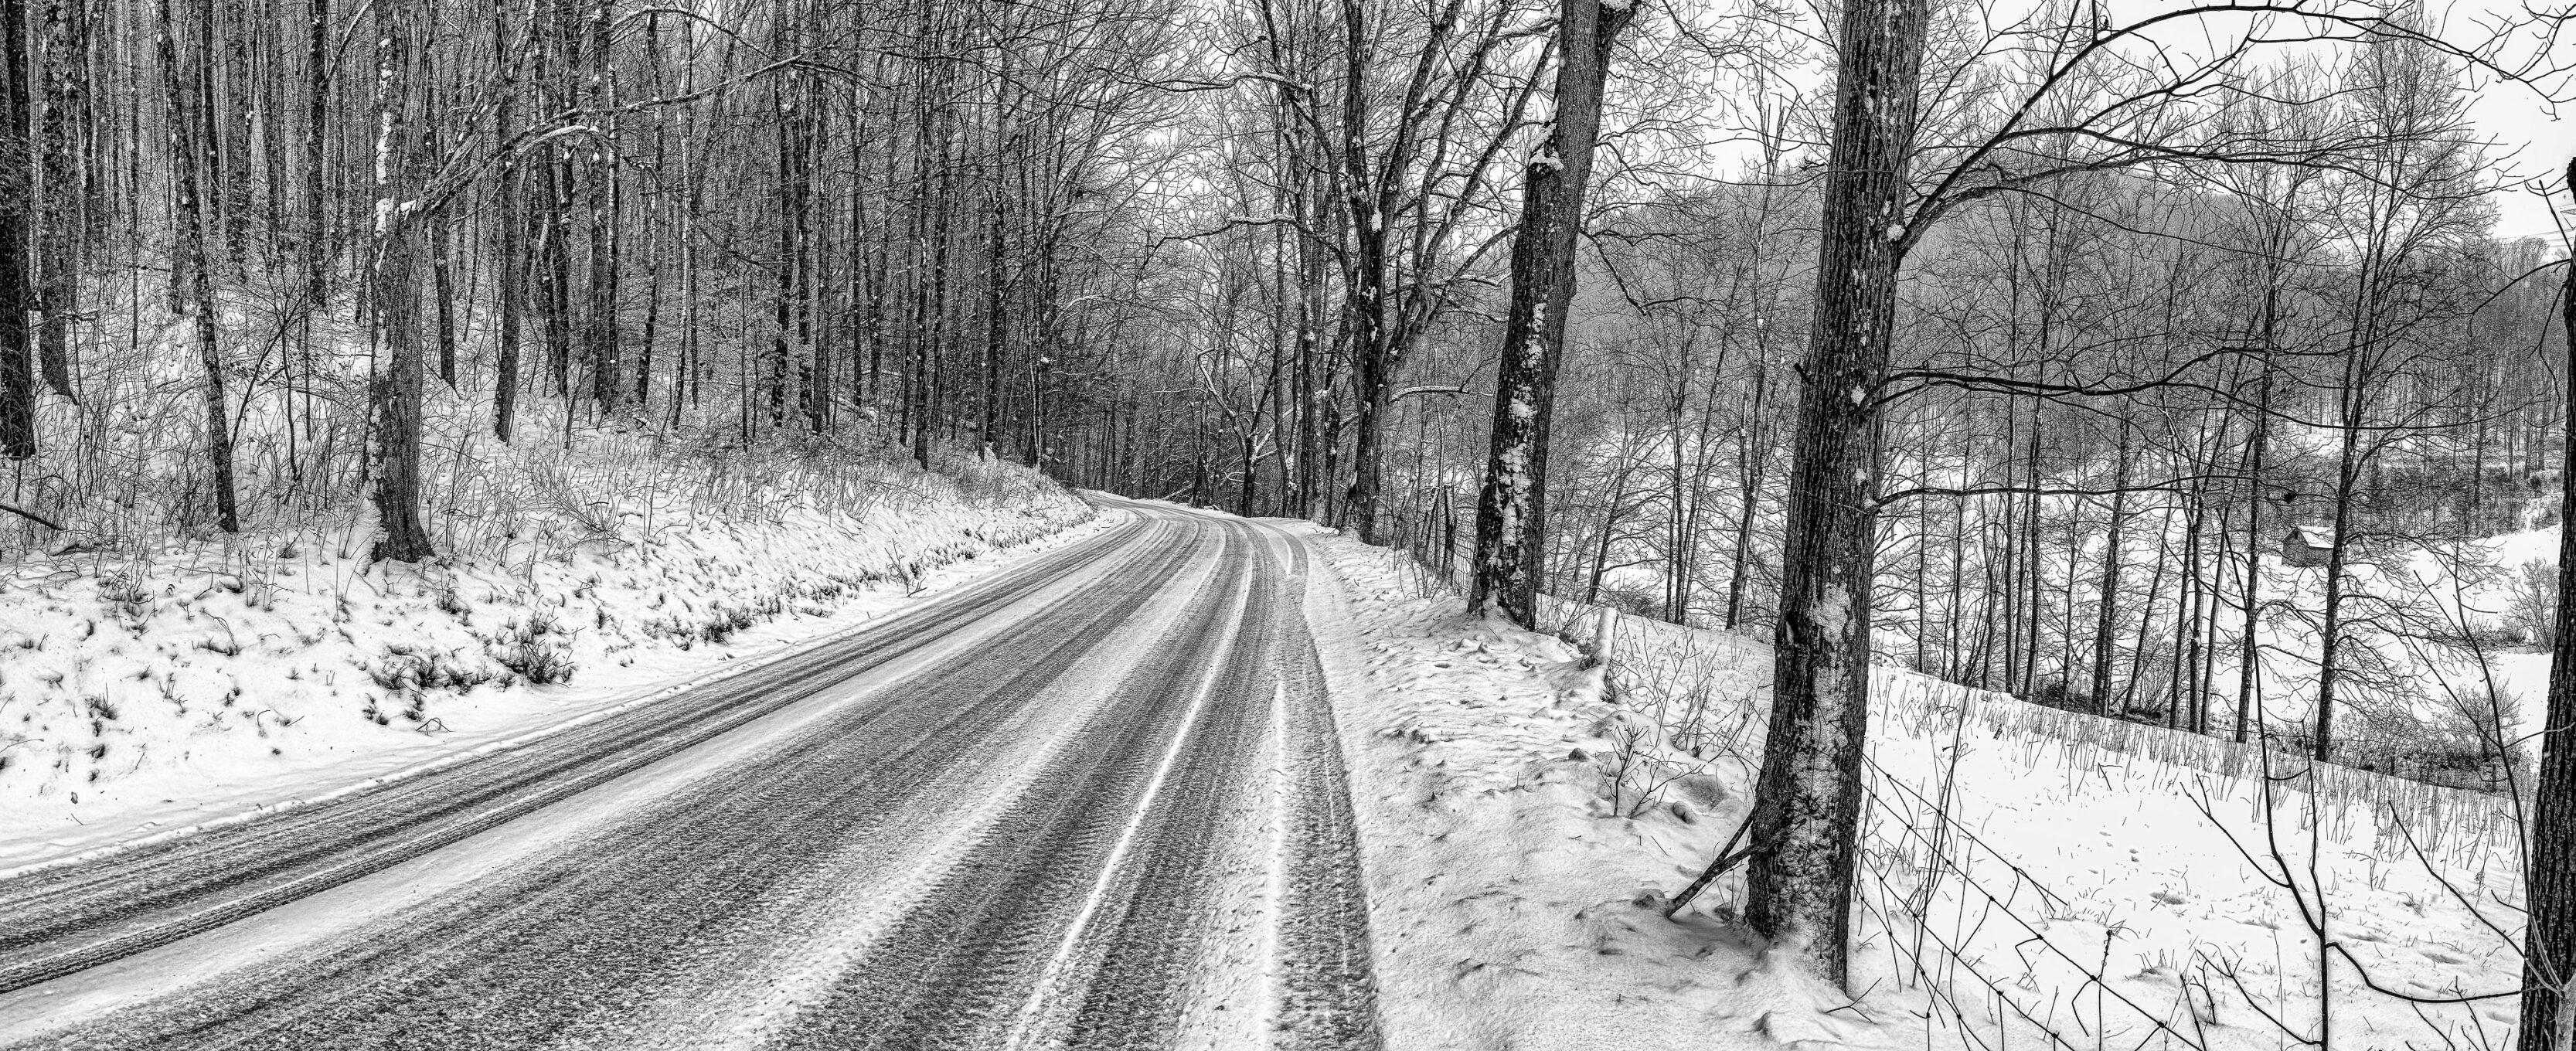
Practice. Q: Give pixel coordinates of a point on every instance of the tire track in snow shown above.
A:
(1143, 929)
(959, 968)
(595, 928)
(1047, 829)
(71, 919)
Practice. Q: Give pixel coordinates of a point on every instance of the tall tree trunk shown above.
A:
(60, 253)
(186, 125)
(997, 331)
(651, 333)
(1511, 510)
(2106, 610)
(1311, 457)
(443, 292)
(510, 297)
(2549, 942)
(2348, 468)
(788, 111)
(656, 244)
(214, 194)
(393, 323)
(317, 193)
(2195, 602)
(1808, 798)
(557, 29)
(1753, 458)
(2249, 668)
(554, 273)
(1364, 299)
(599, 179)
(17, 364)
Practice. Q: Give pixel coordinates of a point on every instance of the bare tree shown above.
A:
(2549, 941)
(1808, 798)
(393, 334)
(58, 260)
(1511, 512)
(17, 372)
(188, 133)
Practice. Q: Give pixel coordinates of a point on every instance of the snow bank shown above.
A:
(1514, 891)
(2029, 876)
(145, 689)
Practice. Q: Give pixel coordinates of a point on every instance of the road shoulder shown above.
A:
(1504, 889)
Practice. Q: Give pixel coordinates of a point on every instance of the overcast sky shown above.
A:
(2513, 116)
(2530, 142)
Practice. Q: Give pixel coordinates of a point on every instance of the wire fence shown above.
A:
(1982, 945)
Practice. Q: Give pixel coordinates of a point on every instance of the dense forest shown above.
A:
(347, 236)
(2029, 348)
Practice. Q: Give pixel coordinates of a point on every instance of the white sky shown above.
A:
(2515, 118)
(2529, 141)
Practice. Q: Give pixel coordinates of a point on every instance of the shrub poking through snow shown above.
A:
(128, 599)
(535, 649)
(242, 657)
(454, 605)
(408, 668)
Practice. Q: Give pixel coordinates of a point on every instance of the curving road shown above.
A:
(1094, 801)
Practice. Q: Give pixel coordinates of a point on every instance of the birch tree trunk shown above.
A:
(1807, 801)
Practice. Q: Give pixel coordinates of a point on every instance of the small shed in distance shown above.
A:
(2307, 546)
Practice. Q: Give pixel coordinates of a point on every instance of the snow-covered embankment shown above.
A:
(2027, 875)
(146, 690)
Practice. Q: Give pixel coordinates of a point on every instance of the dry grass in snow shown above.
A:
(2032, 878)
(1511, 898)
(148, 685)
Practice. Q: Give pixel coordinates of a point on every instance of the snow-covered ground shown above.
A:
(149, 690)
(2030, 876)
(1510, 898)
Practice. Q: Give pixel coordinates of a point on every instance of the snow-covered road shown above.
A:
(1092, 801)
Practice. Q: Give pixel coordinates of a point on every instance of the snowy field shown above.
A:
(2031, 877)
(147, 691)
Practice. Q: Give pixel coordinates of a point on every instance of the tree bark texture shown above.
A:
(187, 128)
(59, 256)
(17, 364)
(394, 323)
(1511, 509)
(1807, 801)
(2549, 942)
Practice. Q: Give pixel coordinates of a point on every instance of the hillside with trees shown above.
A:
(2164, 367)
